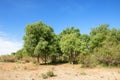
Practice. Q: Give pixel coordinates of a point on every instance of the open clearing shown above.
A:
(29, 71)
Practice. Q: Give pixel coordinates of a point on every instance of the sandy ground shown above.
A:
(29, 71)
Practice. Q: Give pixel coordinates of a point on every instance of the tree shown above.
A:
(85, 47)
(38, 40)
(109, 52)
(97, 36)
(40, 50)
(70, 43)
(70, 30)
(19, 54)
(105, 44)
(57, 53)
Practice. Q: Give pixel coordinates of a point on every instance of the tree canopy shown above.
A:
(38, 40)
(101, 45)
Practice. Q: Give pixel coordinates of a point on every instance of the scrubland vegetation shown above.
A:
(42, 45)
(50, 56)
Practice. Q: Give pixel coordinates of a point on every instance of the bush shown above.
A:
(50, 73)
(87, 60)
(44, 76)
(83, 73)
(26, 59)
(7, 58)
(34, 61)
(19, 54)
(108, 57)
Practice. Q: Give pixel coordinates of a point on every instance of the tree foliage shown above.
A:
(70, 43)
(101, 46)
(39, 40)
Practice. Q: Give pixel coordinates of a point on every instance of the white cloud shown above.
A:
(8, 46)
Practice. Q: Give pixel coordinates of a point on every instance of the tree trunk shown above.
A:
(45, 58)
(71, 58)
(38, 59)
(53, 58)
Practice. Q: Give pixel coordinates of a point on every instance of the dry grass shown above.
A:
(29, 71)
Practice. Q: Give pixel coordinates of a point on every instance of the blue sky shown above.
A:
(59, 14)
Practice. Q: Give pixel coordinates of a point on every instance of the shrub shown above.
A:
(44, 76)
(50, 74)
(88, 60)
(19, 54)
(7, 58)
(108, 57)
(34, 61)
(26, 59)
(83, 73)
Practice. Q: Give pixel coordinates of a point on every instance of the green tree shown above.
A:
(38, 40)
(19, 54)
(57, 53)
(109, 52)
(40, 50)
(85, 47)
(97, 36)
(70, 43)
(70, 30)
(105, 44)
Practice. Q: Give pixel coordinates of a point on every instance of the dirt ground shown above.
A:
(29, 71)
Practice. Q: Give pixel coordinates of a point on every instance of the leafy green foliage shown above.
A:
(39, 39)
(85, 44)
(106, 45)
(70, 43)
(88, 60)
(19, 54)
(98, 35)
(102, 45)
